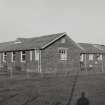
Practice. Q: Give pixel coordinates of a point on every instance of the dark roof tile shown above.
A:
(30, 43)
(91, 48)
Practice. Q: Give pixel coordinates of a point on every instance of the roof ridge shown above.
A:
(32, 43)
(41, 36)
(62, 34)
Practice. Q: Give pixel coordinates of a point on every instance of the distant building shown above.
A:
(56, 53)
(47, 54)
(92, 57)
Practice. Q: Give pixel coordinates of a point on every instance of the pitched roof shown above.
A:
(102, 47)
(30, 43)
(6, 44)
(92, 48)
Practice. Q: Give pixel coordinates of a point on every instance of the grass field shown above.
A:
(49, 90)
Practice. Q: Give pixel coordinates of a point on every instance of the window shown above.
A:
(99, 57)
(63, 40)
(23, 56)
(63, 53)
(4, 56)
(81, 57)
(36, 55)
(30, 55)
(13, 56)
(90, 56)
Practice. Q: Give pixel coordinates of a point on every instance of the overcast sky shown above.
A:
(83, 20)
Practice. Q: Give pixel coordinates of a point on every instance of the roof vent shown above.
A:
(17, 42)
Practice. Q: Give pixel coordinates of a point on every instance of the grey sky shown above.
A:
(85, 19)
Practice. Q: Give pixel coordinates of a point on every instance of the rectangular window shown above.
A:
(4, 56)
(13, 56)
(30, 55)
(36, 55)
(99, 57)
(82, 57)
(91, 57)
(63, 53)
(23, 56)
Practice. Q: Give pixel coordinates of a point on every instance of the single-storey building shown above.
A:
(92, 57)
(56, 53)
(46, 54)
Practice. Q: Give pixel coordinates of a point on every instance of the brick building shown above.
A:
(47, 54)
(92, 57)
(56, 53)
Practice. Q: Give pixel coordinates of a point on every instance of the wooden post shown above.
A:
(27, 71)
(40, 63)
(85, 63)
(0, 60)
(10, 70)
(102, 64)
(11, 74)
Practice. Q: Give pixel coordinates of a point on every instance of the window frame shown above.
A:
(4, 56)
(100, 57)
(37, 55)
(62, 51)
(91, 57)
(13, 57)
(23, 55)
(81, 57)
(31, 55)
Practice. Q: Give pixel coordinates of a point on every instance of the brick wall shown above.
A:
(51, 62)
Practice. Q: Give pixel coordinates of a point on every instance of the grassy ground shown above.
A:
(49, 90)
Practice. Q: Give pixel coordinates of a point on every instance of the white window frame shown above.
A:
(22, 56)
(37, 54)
(81, 57)
(91, 56)
(63, 53)
(31, 53)
(12, 56)
(4, 56)
(100, 57)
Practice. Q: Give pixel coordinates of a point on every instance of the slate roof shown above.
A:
(44, 41)
(103, 47)
(30, 43)
(92, 48)
(6, 44)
